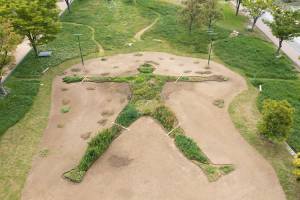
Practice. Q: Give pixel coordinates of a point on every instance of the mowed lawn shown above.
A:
(113, 24)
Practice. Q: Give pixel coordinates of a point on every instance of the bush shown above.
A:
(190, 149)
(277, 120)
(296, 164)
(72, 79)
(166, 117)
(128, 115)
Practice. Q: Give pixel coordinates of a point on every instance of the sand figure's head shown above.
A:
(146, 68)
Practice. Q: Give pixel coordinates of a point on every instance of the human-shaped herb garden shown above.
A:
(146, 100)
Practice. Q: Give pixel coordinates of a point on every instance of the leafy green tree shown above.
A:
(191, 12)
(256, 8)
(210, 13)
(296, 164)
(37, 20)
(285, 24)
(277, 120)
(8, 42)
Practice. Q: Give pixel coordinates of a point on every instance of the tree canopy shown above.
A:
(35, 19)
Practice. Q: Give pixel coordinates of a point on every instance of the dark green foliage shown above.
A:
(146, 68)
(283, 90)
(277, 120)
(190, 149)
(72, 79)
(226, 169)
(128, 115)
(166, 117)
(254, 57)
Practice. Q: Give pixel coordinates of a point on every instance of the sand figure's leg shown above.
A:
(188, 147)
(100, 143)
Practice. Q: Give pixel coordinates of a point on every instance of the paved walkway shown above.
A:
(289, 47)
(23, 48)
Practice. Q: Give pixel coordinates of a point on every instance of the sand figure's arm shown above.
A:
(218, 78)
(187, 146)
(100, 143)
(97, 79)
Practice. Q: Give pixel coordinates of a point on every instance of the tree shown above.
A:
(296, 164)
(8, 42)
(238, 5)
(191, 12)
(285, 25)
(210, 13)
(277, 120)
(68, 5)
(35, 19)
(256, 8)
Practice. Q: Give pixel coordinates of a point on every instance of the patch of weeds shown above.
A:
(138, 54)
(44, 153)
(226, 169)
(102, 122)
(190, 149)
(146, 68)
(105, 74)
(128, 115)
(219, 103)
(211, 171)
(66, 101)
(90, 88)
(73, 79)
(107, 113)
(63, 89)
(76, 69)
(60, 125)
(86, 135)
(166, 117)
(65, 109)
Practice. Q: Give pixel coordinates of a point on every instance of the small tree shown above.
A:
(296, 164)
(210, 13)
(256, 8)
(8, 42)
(37, 20)
(238, 5)
(285, 25)
(277, 120)
(191, 12)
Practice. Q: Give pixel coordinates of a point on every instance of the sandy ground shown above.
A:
(143, 163)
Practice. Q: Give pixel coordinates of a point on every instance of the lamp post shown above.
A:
(211, 33)
(79, 45)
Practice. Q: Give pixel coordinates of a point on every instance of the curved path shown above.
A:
(138, 35)
(99, 47)
(143, 162)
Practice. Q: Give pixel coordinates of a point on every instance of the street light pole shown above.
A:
(79, 45)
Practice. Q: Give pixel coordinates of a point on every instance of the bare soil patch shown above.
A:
(143, 163)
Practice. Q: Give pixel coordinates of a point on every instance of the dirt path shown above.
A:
(138, 35)
(143, 163)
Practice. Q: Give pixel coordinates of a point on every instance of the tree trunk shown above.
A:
(191, 24)
(32, 40)
(254, 22)
(2, 89)
(279, 46)
(68, 4)
(238, 3)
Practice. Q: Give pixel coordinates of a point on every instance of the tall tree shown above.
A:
(296, 164)
(285, 24)
(238, 5)
(256, 8)
(36, 19)
(8, 42)
(191, 12)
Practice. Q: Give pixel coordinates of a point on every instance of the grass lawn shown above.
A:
(115, 25)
